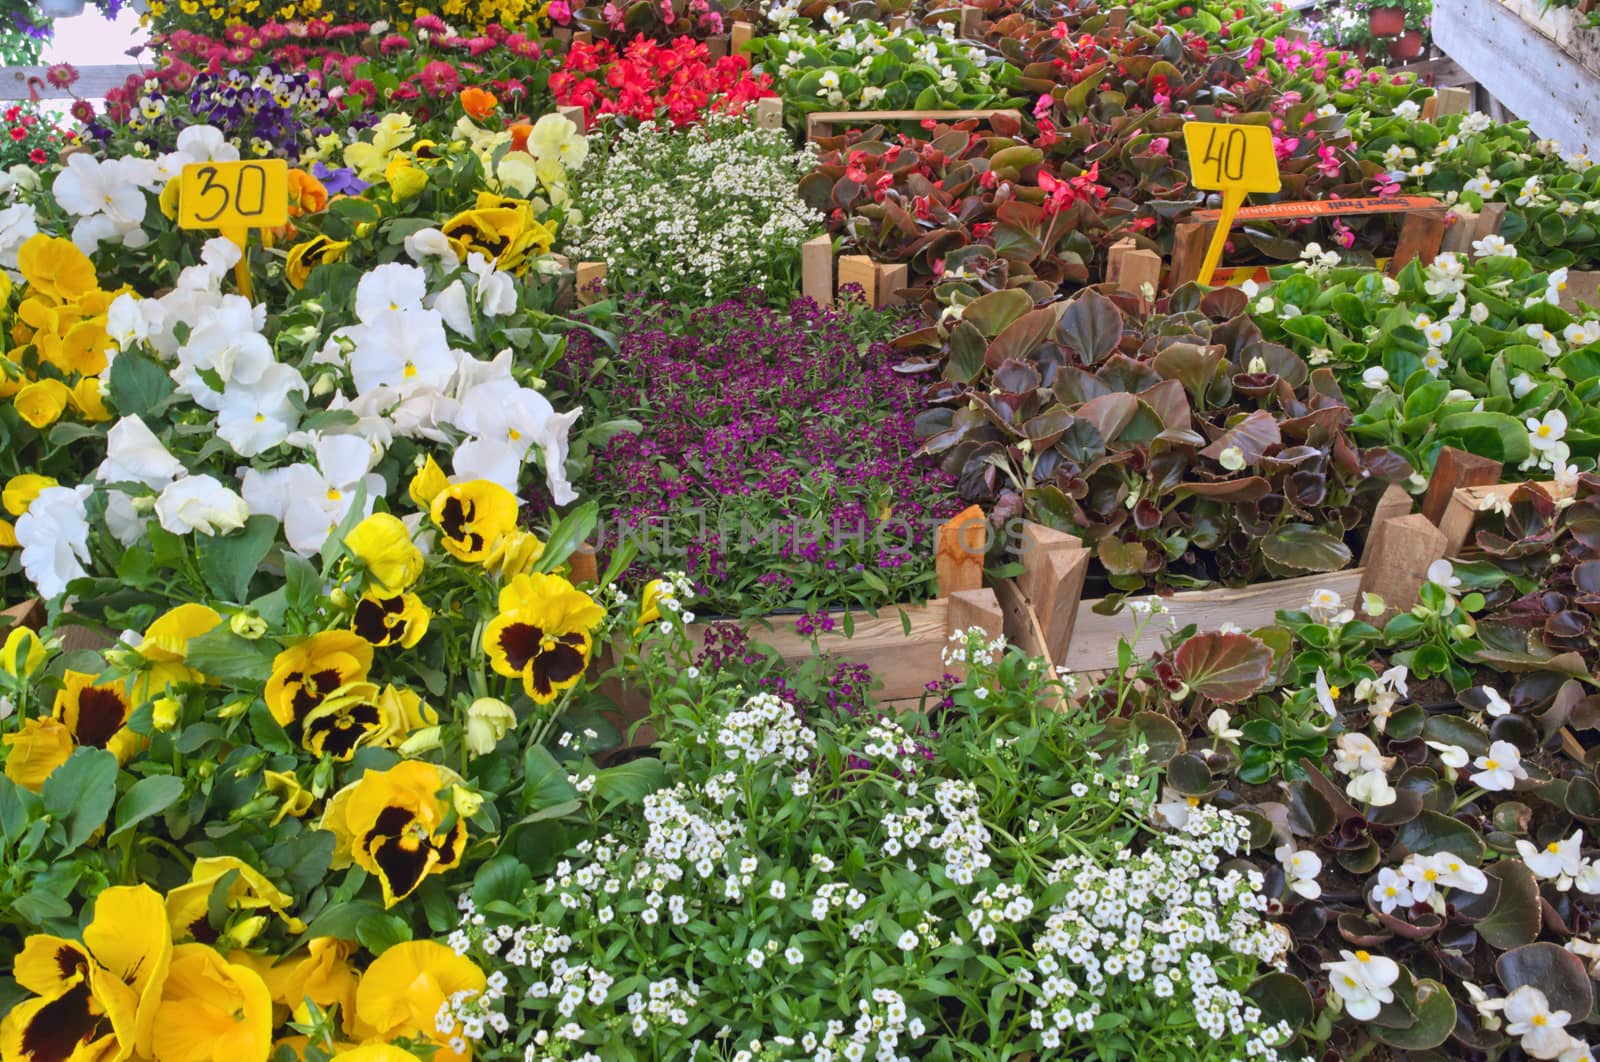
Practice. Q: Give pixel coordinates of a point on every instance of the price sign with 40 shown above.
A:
(1232, 159)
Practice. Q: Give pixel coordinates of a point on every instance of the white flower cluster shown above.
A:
(1420, 879)
(700, 212)
(766, 727)
(1163, 916)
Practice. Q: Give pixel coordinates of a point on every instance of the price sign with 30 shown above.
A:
(250, 194)
(1231, 156)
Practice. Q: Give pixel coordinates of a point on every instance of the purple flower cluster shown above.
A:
(776, 460)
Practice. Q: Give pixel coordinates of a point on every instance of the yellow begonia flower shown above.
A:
(406, 180)
(472, 516)
(210, 1009)
(556, 137)
(20, 491)
(22, 653)
(89, 400)
(321, 974)
(383, 545)
(400, 620)
(38, 748)
(403, 990)
(42, 402)
(96, 716)
(293, 798)
(307, 255)
(98, 999)
(542, 634)
(392, 825)
(188, 906)
(304, 674)
(55, 268)
(427, 484)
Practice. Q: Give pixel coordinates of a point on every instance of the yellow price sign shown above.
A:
(1232, 159)
(233, 198)
(234, 195)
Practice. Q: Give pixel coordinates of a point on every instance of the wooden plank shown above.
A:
(974, 608)
(1094, 645)
(1583, 289)
(963, 541)
(1451, 100)
(1062, 573)
(816, 269)
(29, 613)
(717, 46)
(1021, 622)
(1455, 469)
(583, 565)
(1522, 67)
(28, 82)
(820, 123)
(1460, 230)
(1403, 549)
(968, 26)
(1489, 220)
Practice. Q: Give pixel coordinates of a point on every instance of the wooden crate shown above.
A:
(820, 123)
(1394, 564)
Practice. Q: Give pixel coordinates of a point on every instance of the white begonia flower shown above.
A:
(1582, 334)
(1493, 246)
(1479, 312)
(1457, 873)
(17, 226)
(1587, 950)
(1231, 458)
(431, 243)
(1327, 696)
(1500, 769)
(1497, 705)
(1410, 110)
(1356, 753)
(1558, 861)
(53, 536)
(1219, 724)
(1442, 574)
(1362, 982)
(1372, 788)
(1545, 432)
(135, 455)
(200, 504)
(1521, 385)
(1437, 333)
(1375, 378)
(1435, 362)
(1301, 869)
(1543, 1031)
(1175, 808)
(1541, 335)
(1391, 891)
(1453, 756)
(256, 418)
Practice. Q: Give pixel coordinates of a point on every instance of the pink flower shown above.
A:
(440, 78)
(1285, 146)
(1042, 105)
(431, 23)
(61, 75)
(1160, 145)
(1327, 163)
(560, 12)
(1343, 235)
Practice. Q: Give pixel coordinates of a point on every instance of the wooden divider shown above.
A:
(820, 123)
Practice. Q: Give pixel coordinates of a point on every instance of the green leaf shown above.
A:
(630, 781)
(1225, 668)
(1306, 549)
(79, 793)
(137, 383)
(1493, 435)
(222, 654)
(145, 798)
(228, 562)
(544, 781)
(380, 932)
(502, 879)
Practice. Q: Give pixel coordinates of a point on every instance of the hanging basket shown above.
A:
(61, 8)
(1406, 46)
(1386, 21)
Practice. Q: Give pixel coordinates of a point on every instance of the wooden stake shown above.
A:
(976, 608)
(1456, 468)
(1189, 242)
(582, 566)
(1450, 100)
(1420, 236)
(1461, 230)
(1401, 551)
(717, 46)
(573, 114)
(1118, 18)
(816, 269)
(30, 614)
(1130, 268)
(859, 269)
(769, 113)
(892, 278)
(741, 35)
(1395, 502)
(1054, 567)
(961, 545)
(583, 37)
(970, 16)
(590, 279)
(897, 22)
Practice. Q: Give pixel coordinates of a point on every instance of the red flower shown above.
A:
(439, 78)
(431, 23)
(83, 111)
(18, 133)
(38, 157)
(61, 75)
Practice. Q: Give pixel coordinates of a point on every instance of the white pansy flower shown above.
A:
(200, 504)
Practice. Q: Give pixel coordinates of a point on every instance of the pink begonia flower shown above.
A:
(1159, 145)
(1285, 146)
(1042, 105)
(1327, 163)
